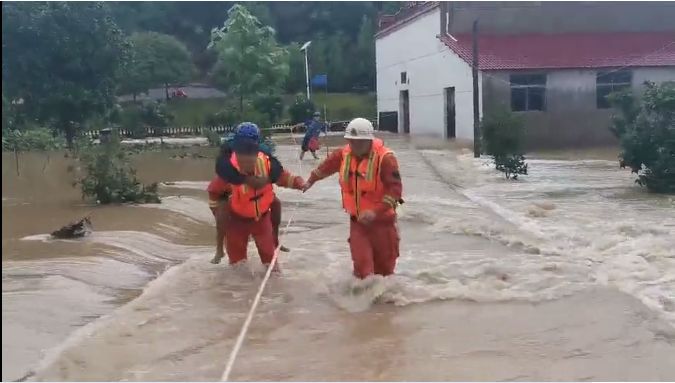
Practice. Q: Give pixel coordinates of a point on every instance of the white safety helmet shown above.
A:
(359, 129)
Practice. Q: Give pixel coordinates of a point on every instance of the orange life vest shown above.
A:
(360, 181)
(246, 201)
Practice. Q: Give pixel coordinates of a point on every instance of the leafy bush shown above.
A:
(226, 117)
(270, 105)
(301, 109)
(212, 137)
(7, 114)
(137, 118)
(32, 139)
(503, 139)
(257, 117)
(646, 130)
(131, 120)
(110, 178)
(156, 115)
(511, 165)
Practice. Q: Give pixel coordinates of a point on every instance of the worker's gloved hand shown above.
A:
(367, 217)
(307, 186)
(257, 182)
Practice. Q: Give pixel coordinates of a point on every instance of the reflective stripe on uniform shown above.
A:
(371, 160)
(290, 181)
(391, 201)
(347, 165)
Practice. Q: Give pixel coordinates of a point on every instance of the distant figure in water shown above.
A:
(242, 197)
(371, 191)
(313, 129)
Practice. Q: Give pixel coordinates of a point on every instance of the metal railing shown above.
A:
(200, 130)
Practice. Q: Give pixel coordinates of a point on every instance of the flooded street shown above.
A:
(567, 274)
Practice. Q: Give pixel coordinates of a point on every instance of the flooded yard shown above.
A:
(566, 274)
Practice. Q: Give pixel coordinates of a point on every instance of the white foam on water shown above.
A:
(196, 267)
(192, 185)
(193, 208)
(44, 300)
(507, 255)
(73, 291)
(590, 212)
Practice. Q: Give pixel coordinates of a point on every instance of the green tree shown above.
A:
(293, 21)
(302, 109)
(646, 130)
(364, 72)
(261, 11)
(136, 79)
(295, 81)
(7, 114)
(339, 69)
(161, 59)
(249, 59)
(503, 139)
(270, 105)
(137, 118)
(63, 60)
(109, 177)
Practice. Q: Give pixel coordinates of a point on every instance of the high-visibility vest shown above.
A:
(246, 201)
(360, 180)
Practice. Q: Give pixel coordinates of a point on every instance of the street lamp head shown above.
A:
(306, 45)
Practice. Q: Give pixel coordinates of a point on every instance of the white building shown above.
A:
(557, 81)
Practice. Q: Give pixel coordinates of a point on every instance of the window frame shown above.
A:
(527, 86)
(609, 81)
(404, 77)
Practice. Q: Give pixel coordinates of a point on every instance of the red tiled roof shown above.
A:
(569, 50)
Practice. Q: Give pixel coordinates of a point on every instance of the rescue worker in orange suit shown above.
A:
(371, 192)
(227, 174)
(248, 208)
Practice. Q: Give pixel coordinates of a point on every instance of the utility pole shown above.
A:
(476, 102)
(307, 74)
(305, 48)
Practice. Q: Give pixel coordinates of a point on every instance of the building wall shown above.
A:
(430, 67)
(560, 17)
(571, 117)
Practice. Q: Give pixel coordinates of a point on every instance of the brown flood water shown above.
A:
(478, 295)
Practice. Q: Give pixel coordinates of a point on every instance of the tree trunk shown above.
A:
(166, 90)
(69, 129)
(16, 159)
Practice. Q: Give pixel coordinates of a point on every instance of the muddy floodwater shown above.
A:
(566, 274)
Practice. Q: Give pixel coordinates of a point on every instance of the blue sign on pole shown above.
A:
(320, 80)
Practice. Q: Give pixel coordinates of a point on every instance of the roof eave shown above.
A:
(401, 23)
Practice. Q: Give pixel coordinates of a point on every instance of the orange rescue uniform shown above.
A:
(250, 211)
(372, 183)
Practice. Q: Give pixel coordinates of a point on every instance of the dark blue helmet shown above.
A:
(246, 138)
(247, 130)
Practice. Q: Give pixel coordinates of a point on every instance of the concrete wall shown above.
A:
(560, 17)
(430, 67)
(571, 117)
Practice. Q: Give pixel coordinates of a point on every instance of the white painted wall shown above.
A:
(657, 75)
(570, 90)
(584, 80)
(431, 67)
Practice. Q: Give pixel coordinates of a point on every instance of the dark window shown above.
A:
(528, 92)
(404, 77)
(610, 82)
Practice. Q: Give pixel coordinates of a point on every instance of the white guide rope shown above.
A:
(249, 318)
